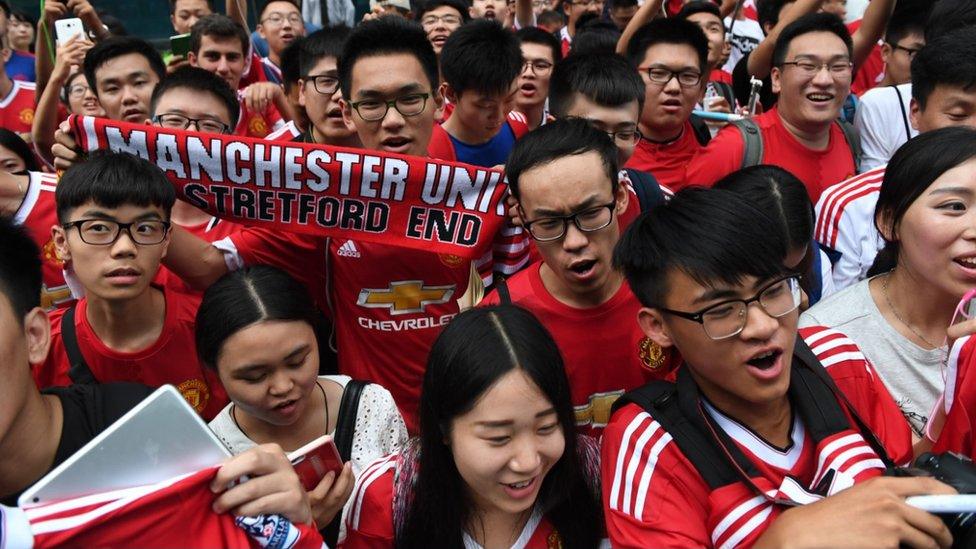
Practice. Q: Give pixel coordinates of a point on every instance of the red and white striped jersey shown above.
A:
(845, 224)
(288, 132)
(17, 108)
(173, 513)
(654, 497)
(959, 400)
(38, 213)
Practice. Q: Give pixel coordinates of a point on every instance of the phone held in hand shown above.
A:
(179, 44)
(314, 460)
(66, 29)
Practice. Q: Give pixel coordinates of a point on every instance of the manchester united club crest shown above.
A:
(49, 254)
(257, 127)
(26, 116)
(196, 393)
(651, 354)
(553, 541)
(451, 260)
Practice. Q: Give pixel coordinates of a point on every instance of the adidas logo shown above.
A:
(349, 250)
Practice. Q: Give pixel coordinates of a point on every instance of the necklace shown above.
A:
(884, 290)
(233, 413)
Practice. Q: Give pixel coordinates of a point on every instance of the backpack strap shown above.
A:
(816, 280)
(853, 141)
(344, 431)
(702, 134)
(752, 138)
(646, 187)
(78, 369)
(904, 115)
(504, 295)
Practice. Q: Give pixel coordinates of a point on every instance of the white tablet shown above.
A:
(161, 438)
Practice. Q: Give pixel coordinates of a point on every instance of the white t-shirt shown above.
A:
(746, 35)
(913, 375)
(882, 120)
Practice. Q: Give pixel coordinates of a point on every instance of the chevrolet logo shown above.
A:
(408, 296)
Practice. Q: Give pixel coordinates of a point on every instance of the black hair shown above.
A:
(244, 297)
(321, 44)
(699, 6)
(113, 179)
(949, 15)
(563, 137)
(912, 169)
(605, 79)
(812, 22)
(458, 373)
(20, 270)
(15, 144)
(711, 235)
(291, 63)
(218, 26)
(535, 35)
(550, 17)
(767, 12)
(902, 24)
(200, 81)
(5, 7)
(595, 36)
(622, 4)
(668, 31)
(24, 17)
(386, 36)
(263, 6)
(112, 23)
(172, 6)
(482, 56)
(948, 60)
(117, 46)
(432, 5)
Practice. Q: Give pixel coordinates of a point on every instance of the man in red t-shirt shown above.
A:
(113, 214)
(754, 444)
(812, 75)
(672, 58)
(564, 176)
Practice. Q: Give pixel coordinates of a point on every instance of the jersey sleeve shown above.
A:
(651, 495)
(722, 156)
(875, 129)
(960, 394)
(369, 516)
(850, 267)
(856, 378)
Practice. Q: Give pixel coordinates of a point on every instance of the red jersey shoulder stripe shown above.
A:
(832, 347)
(757, 509)
(642, 443)
(372, 472)
(832, 202)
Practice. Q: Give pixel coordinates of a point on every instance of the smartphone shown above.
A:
(314, 460)
(66, 29)
(756, 86)
(180, 44)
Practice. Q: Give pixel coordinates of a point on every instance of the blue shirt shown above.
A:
(21, 67)
(492, 153)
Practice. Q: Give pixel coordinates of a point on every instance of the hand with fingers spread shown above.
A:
(272, 486)
(328, 498)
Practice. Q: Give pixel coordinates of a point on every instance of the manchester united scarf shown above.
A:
(432, 205)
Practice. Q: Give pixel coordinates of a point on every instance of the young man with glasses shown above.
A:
(574, 9)
(769, 437)
(440, 18)
(671, 56)
(801, 134)
(113, 231)
(319, 92)
(564, 178)
(279, 23)
(540, 52)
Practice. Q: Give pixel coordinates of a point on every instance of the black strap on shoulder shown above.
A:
(853, 141)
(752, 153)
(904, 115)
(78, 371)
(504, 296)
(646, 187)
(344, 431)
(702, 134)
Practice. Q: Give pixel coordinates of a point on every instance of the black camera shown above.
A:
(960, 473)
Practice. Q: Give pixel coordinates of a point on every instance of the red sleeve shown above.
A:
(855, 377)
(440, 146)
(369, 515)
(302, 256)
(651, 495)
(722, 156)
(956, 435)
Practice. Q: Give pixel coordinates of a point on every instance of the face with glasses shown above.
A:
(898, 57)
(673, 83)
(81, 99)
(439, 23)
(813, 81)
(187, 109)
(619, 122)
(281, 23)
(533, 82)
(320, 95)
(576, 8)
(737, 339)
(570, 210)
(114, 252)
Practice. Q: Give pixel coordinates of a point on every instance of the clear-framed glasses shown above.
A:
(180, 122)
(104, 232)
(77, 91)
(728, 318)
(809, 68)
(547, 229)
(909, 51)
(660, 75)
(431, 20)
(372, 110)
(588, 3)
(626, 137)
(538, 66)
(277, 19)
(324, 83)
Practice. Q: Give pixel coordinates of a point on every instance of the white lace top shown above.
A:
(379, 427)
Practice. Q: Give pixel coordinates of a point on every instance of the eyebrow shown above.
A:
(99, 214)
(408, 88)
(508, 422)
(814, 58)
(301, 349)
(673, 69)
(593, 200)
(952, 190)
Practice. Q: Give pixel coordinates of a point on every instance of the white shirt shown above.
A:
(746, 35)
(883, 123)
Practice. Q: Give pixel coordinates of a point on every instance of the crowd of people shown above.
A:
(727, 305)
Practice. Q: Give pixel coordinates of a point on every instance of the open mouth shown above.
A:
(820, 97)
(334, 113)
(438, 40)
(396, 144)
(520, 485)
(582, 268)
(765, 360)
(489, 14)
(286, 404)
(123, 271)
(967, 262)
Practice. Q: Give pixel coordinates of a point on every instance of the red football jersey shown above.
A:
(654, 497)
(960, 399)
(871, 71)
(38, 212)
(257, 124)
(288, 132)
(17, 108)
(172, 359)
(816, 169)
(213, 230)
(666, 161)
(369, 515)
(173, 513)
(601, 364)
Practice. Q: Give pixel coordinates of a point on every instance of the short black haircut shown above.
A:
(386, 36)
(263, 6)
(948, 15)
(605, 79)
(321, 44)
(595, 36)
(668, 31)
(711, 235)
(113, 179)
(614, 4)
(16, 144)
(535, 35)
(549, 17)
(948, 60)
(767, 12)
(200, 81)
(908, 18)
(172, 6)
(481, 56)
(558, 139)
(290, 65)
(699, 6)
(20, 270)
(5, 8)
(218, 26)
(432, 5)
(20, 15)
(813, 22)
(117, 46)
